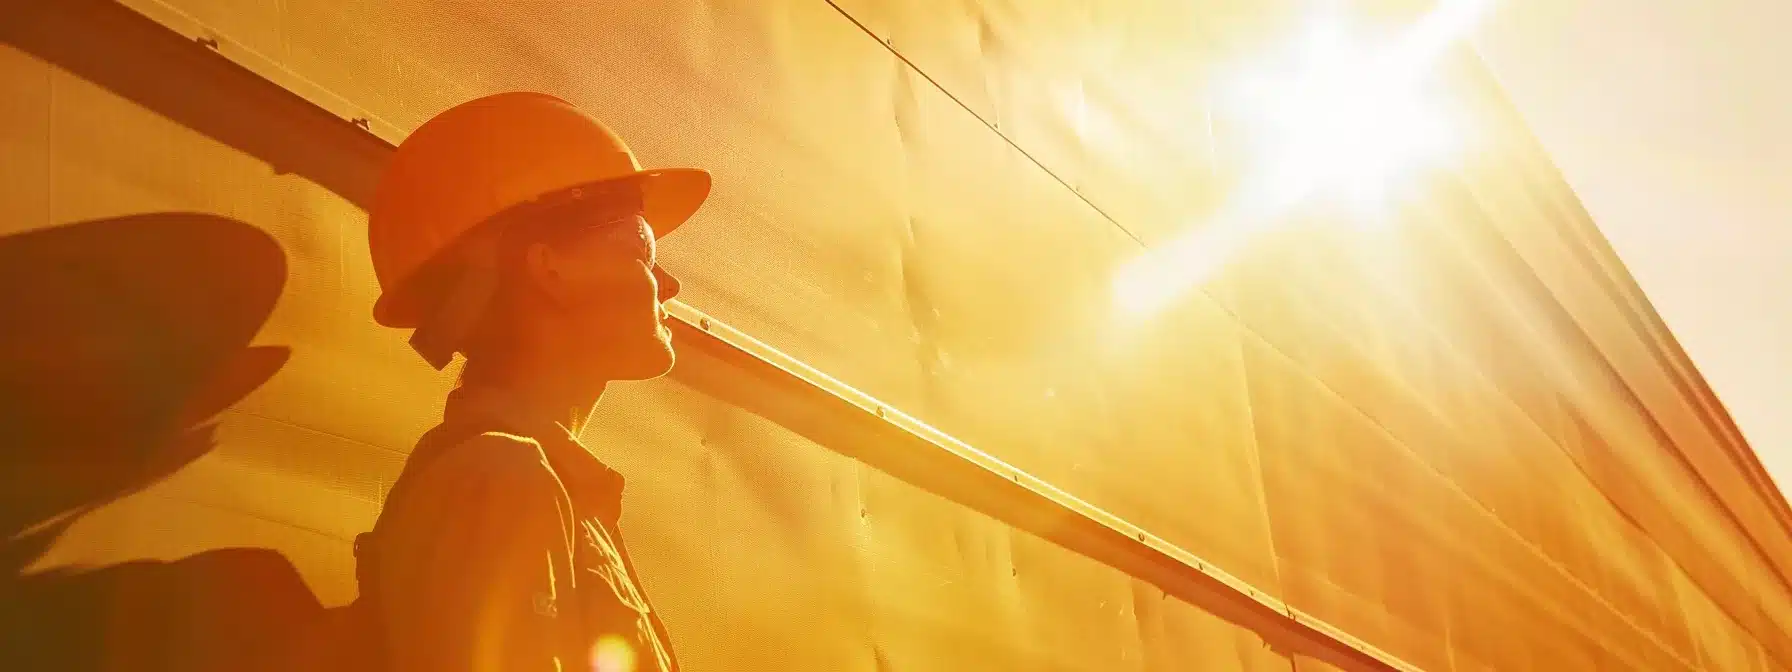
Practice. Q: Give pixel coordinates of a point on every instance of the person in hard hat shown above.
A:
(122, 339)
(519, 233)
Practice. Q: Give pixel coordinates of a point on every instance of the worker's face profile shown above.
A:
(615, 291)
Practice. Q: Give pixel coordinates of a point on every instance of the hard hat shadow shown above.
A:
(123, 338)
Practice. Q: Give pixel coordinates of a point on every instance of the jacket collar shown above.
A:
(595, 488)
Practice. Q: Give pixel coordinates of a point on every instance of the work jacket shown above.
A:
(498, 549)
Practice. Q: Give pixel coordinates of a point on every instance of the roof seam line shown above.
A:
(889, 46)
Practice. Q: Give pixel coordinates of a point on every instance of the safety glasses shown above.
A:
(612, 212)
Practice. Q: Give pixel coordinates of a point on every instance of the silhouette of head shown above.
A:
(580, 284)
(123, 338)
(570, 296)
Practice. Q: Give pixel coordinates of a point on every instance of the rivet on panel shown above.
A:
(880, 411)
(703, 323)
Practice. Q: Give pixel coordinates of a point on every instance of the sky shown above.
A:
(1672, 120)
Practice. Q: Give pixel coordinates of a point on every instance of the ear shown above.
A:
(542, 267)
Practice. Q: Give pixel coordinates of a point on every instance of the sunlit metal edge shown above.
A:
(1613, 278)
(1512, 260)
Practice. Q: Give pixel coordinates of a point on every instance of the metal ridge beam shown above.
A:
(724, 362)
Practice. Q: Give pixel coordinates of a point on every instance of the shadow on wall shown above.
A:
(122, 339)
(224, 609)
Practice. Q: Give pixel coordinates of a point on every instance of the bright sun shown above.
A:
(1336, 119)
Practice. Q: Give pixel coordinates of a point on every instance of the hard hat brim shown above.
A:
(669, 198)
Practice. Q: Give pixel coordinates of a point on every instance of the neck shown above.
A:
(544, 393)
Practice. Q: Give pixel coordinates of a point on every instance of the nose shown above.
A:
(669, 284)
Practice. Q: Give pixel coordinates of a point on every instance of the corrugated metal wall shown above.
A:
(1394, 431)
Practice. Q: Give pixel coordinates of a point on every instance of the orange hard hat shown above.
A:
(487, 156)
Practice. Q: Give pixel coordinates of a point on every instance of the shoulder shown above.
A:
(495, 451)
(467, 493)
(494, 465)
